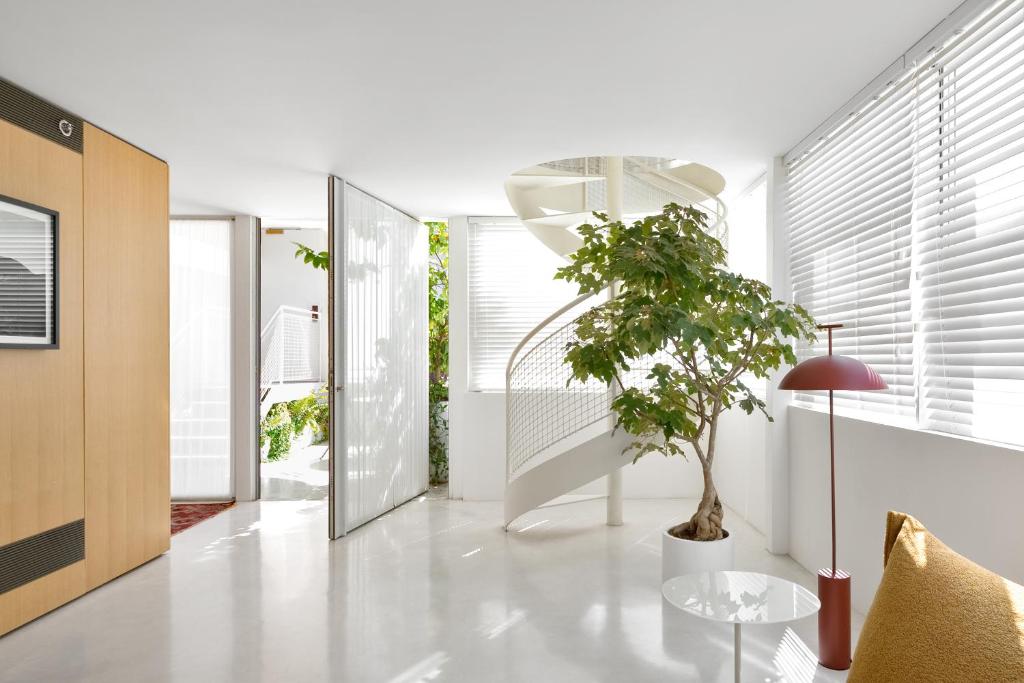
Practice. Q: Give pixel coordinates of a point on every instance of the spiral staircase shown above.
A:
(559, 431)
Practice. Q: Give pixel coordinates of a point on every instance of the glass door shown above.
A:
(378, 357)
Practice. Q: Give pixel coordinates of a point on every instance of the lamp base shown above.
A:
(834, 619)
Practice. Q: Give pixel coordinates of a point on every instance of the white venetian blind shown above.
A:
(848, 203)
(27, 276)
(969, 229)
(511, 290)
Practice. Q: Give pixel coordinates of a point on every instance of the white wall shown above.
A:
(288, 281)
(741, 461)
(740, 466)
(966, 492)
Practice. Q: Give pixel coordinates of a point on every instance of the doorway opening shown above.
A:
(293, 410)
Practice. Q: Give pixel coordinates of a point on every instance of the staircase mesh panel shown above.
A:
(546, 404)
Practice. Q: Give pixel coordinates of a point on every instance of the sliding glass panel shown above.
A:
(200, 359)
(380, 357)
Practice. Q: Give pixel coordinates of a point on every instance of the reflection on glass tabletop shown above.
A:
(740, 597)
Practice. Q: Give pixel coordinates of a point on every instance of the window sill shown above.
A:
(901, 424)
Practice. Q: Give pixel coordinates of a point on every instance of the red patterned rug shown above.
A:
(184, 515)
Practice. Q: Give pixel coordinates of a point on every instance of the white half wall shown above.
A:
(477, 451)
(968, 493)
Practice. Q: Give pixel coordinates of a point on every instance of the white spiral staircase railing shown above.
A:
(559, 431)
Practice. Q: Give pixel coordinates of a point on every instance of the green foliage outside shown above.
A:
(287, 420)
(675, 297)
(310, 411)
(317, 259)
(276, 430)
(438, 350)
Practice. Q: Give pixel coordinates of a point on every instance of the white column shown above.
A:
(245, 320)
(614, 195)
(777, 433)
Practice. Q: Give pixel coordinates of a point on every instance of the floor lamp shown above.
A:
(833, 373)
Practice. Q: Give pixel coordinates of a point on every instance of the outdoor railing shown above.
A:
(290, 347)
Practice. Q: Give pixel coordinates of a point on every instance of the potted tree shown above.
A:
(676, 341)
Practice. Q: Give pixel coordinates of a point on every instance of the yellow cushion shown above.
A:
(937, 616)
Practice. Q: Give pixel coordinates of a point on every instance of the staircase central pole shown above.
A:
(613, 192)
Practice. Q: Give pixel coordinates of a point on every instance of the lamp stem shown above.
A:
(832, 458)
(832, 474)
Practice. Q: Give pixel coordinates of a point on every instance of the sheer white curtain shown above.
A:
(200, 255)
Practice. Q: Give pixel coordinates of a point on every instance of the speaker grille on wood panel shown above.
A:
(35, 114)
(36, 556)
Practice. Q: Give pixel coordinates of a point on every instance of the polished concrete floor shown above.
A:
(433, 591)
(300, 476)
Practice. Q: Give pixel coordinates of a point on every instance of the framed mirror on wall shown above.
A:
(28, 276)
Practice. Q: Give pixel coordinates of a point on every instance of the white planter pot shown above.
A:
(680, 556)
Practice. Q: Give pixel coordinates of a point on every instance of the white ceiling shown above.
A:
(430, 105)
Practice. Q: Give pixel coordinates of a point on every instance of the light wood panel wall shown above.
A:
(127, 439)
(41, 417)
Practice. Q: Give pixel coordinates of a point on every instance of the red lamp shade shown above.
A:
(832, 372)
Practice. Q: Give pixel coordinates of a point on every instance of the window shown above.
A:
(200, 359)
(748, 247)
(511, 290)
(848, 208)
(906, 223)
(748, 232)
(969, 231)
(28, 275)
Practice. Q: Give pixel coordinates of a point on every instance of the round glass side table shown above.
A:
(740, 598)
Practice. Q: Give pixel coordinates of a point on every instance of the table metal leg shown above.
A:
(736, 652)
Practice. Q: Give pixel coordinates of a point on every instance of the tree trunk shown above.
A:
(706, 523)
